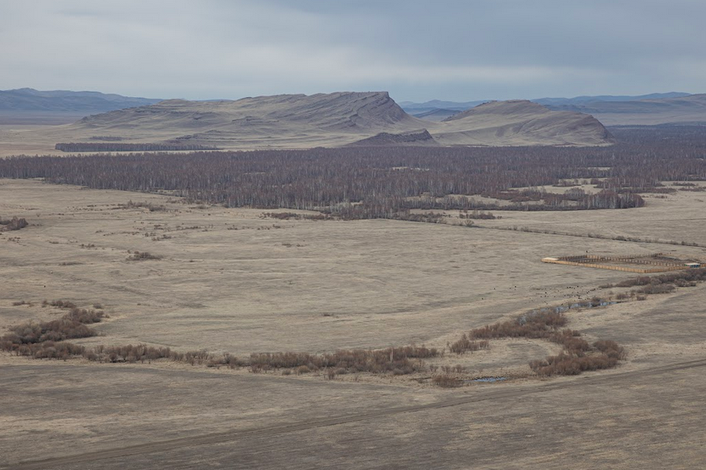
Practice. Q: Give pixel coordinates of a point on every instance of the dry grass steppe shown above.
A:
(232, 281)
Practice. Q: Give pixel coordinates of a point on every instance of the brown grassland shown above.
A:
(172, 333)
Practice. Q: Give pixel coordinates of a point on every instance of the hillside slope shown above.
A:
(520, 122)
(329, 120)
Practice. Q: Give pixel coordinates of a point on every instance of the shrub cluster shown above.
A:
(44, 339)
(60, 304)
(47, 340)
(683, 278)
(142, 256)
(577, 354)
(534, 325)
(662, 284)
(464, 344)
(15, 223)
(603, 354)
(147, 205)
(295, 216)
(143, 353)
(479, 215)
(398, 361)
(447, 380)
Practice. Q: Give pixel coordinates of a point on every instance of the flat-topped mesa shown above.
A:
(339, 111)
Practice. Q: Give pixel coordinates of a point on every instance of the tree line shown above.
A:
(388, 182)
(120, 147)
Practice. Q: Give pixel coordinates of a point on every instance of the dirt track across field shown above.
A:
(258, 439)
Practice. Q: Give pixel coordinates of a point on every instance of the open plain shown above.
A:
(231, 280)
(352, 235)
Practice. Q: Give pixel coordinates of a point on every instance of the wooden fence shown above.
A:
(657, 260)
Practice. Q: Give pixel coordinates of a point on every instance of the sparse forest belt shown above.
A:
(119, 147)
(47, 340)
(359, 183)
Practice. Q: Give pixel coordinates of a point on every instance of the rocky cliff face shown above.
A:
(335, 111)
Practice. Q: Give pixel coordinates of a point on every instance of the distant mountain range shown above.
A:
(414, 108)
(29, 106)
(652, 109)
(602, 98)
(689, 109)
(29, 99)
(55, 107)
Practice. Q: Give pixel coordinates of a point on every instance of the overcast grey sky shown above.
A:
(417, 50)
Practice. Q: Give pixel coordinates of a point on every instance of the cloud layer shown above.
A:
(417, 50)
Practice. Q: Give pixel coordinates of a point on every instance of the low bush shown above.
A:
(534, 324)
(603, 354)
(15, 223)
(140, 205)
(398, 361)
(569, 364)
(464, 344)
(657, 289)
(59, 304)
(39, 339)
(683, 278)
